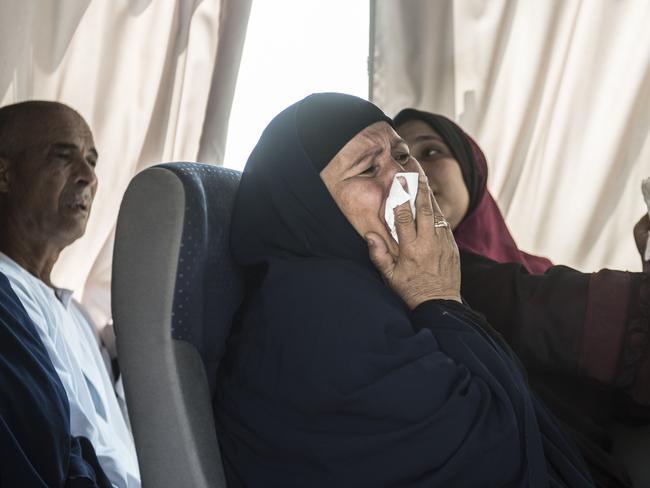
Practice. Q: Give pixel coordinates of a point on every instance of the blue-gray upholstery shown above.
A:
(175, 289)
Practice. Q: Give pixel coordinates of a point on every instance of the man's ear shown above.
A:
(4, 175)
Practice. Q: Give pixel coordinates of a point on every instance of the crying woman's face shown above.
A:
(359, 177)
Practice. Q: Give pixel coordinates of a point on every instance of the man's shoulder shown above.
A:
(21, 281)
(10, 268)
(31, 294)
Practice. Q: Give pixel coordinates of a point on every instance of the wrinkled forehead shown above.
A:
(377, 135)
(29, 127)
(372, 141)
(37, 130)
(375, 138)
(379, 131)
(60, 123)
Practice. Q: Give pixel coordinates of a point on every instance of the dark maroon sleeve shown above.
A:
(541, 316)
(589, 325)
(605, 324)
(634, 363)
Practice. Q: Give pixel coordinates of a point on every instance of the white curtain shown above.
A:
(556, 92)
(154, 79)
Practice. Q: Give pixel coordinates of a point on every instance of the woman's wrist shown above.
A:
(416, 300)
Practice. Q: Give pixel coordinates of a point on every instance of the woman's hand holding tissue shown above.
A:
(426, 265)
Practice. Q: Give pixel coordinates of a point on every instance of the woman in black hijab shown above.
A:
(339, 375)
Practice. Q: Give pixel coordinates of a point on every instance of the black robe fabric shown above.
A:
(544, 319)
(329, 380)
(36, 448)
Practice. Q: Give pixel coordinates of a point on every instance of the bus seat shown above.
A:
(174, 291)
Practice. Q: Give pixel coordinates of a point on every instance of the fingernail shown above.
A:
(423, 179)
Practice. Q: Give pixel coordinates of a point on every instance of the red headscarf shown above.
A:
(483, 230)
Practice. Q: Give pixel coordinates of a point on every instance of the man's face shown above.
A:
(359, 177)
(50, 186)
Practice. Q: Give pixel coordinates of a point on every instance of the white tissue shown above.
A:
(398, 195)
(645, 188)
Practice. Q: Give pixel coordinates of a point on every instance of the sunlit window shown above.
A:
(294, 48)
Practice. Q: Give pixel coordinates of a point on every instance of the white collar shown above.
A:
(62, 294)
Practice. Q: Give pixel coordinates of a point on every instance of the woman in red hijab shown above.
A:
(582, 336)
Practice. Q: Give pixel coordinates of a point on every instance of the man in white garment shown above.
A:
(47, 186)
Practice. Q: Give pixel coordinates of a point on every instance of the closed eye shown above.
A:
(63, 155)
(402, 158)
(63, 151)
(369, 170)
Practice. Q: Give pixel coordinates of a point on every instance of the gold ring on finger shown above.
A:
(441, 223)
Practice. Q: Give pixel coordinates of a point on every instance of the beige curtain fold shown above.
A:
(555, 92)
(153, 78)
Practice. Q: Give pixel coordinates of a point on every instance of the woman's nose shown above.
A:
(391, 170)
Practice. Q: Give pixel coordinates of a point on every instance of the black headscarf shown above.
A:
(328, 379)
(292, 213)
(326, 123)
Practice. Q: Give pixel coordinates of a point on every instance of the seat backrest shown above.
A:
(175, 289)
